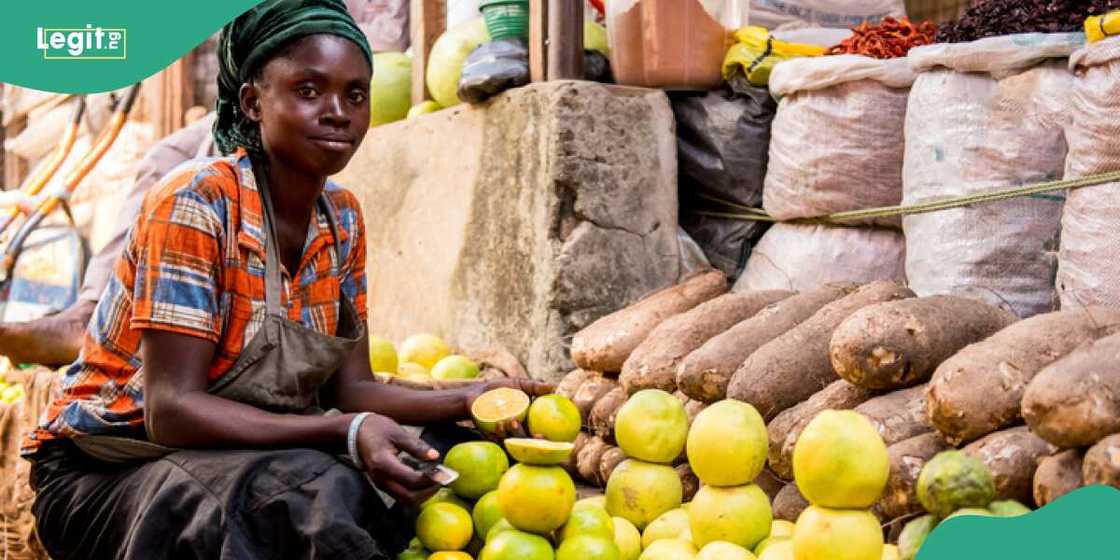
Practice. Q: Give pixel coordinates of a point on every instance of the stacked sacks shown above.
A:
(984, 116)
(1089, 260)
(837, 145)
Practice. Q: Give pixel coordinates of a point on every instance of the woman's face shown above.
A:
(313, 104)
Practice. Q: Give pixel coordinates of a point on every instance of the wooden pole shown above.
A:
(538, 40)
(427, 20)
(565, 40)
(178, 94)
(167, 96)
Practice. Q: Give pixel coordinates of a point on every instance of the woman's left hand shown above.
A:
(513, 428)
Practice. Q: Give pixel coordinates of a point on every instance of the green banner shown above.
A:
(83, 46)
(1082, 525)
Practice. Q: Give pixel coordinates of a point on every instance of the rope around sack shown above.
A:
(845, 218)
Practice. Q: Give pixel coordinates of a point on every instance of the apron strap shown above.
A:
(272, 279)
(273, 282)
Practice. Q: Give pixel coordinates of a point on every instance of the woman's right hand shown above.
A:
(380, 441)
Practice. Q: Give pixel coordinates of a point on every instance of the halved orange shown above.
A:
(538, 451)
(498, 406)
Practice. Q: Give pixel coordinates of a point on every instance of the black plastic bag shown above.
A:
(597, 67)
(723, 144)
(493, 68)
(504, 64)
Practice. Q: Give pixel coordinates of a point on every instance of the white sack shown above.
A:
(825, 13)
(805, 257)
(1089, 262)
(837, 139)
(985, 116)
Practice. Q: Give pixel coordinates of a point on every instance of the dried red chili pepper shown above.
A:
(892, 38)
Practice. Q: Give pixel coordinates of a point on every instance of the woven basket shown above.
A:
(18, 540)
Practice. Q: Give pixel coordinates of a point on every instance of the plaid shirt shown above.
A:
(194, 265)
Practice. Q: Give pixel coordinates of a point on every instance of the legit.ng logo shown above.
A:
(89, 43)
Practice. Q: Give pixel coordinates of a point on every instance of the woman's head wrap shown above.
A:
(248, 42)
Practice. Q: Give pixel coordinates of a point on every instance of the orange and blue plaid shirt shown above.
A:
(194, 265)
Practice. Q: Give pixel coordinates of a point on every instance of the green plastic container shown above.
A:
(506, 19)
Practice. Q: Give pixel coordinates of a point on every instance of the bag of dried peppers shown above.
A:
(892, 38)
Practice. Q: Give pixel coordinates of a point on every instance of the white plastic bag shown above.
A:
(984, 116)
(692, 256)
(1089, 261)
(825, 13)
(836, 141)
(804, 257)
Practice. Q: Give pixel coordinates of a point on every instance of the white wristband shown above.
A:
(352, 439)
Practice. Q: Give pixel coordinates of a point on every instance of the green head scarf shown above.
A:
(252, 39)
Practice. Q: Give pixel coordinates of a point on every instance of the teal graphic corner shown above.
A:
(1082, 524)
(84, 46)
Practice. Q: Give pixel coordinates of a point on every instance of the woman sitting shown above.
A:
(192, 424)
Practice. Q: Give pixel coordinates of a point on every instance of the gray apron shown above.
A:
(283, 366)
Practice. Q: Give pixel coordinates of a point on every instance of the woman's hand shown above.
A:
(380, 440)
(512, 428)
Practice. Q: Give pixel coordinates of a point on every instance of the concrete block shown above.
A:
(521, 221)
